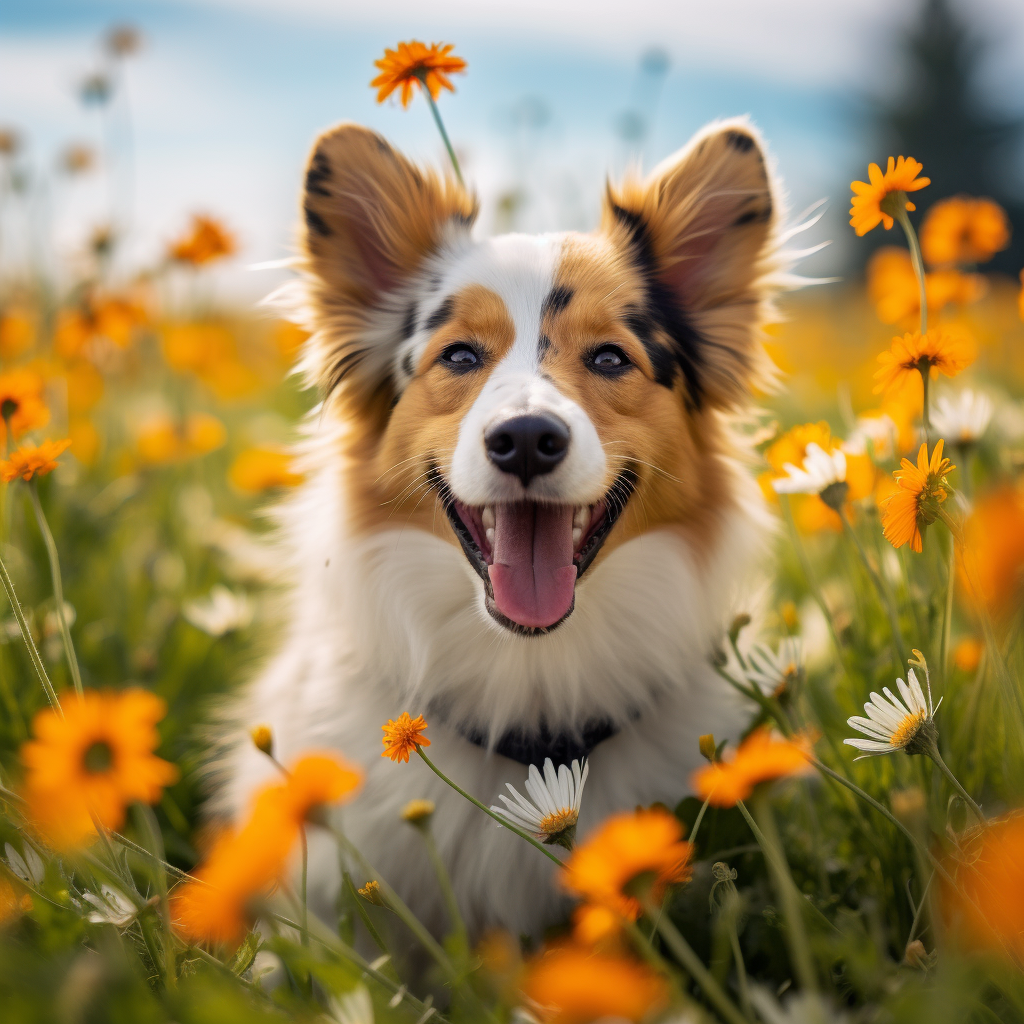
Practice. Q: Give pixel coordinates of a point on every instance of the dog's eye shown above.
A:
(609, 359)
(460, 356)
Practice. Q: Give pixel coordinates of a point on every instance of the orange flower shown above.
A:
(403, 736)
(914, 505)
(574, 986)
(17, 333)
(594, 925)
(205, 241)
(892, 286)
(937, 351)
(872, 204)
(963, 230)
(967, 654)
(990, 886)
(160, 440)
(31, 460)
(94, 761)
(317, 779)
(991, 562)
(13, 903)
(761, 757)
(626, 846)
(415, 63)
(21, 402)
(262, 469)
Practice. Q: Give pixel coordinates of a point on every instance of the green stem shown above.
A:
(947, 619)
(769, 705)
(58, 587)
(955, 783)
(692, 837)
(151, 830)
(883, 591)
(785, 887)
(303, 888)
(741, 968)
(440, 127)
(363, 915)
(918, 913)
(476, 803)
(37, 662)
(447, 890)
(684, 953)
(918, 263)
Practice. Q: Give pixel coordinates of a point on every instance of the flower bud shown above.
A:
(263, 739)
(916, 955)
(706, 743)
(738, 624)
(417, 811)
(372, 894)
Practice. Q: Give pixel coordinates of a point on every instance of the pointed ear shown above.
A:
(372, 219)
(702, 229)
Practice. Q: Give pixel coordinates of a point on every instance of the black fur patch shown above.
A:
(344, 366)
(557, 299)
(315, 222)
(409, 323)
(754, 216)
(740, 140)
(319, 172)
(662, 312)
(441, 315)
(543, 344)
(407, 364)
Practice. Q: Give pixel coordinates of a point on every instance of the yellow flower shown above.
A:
(372, 894)
(206, 240)
(403, 735)
(761, 757)
(921, 489)
(17, 333)
(414, 63)
(639, 846)
(21, 402)
(963, 230)
(416, 811)
(203, 433)
(937, 351)
(871, 203)
(261, 469)
(262, 739)
(94, 761)
(33, 460)
(85, 386)
(991, 562)
(569, 985)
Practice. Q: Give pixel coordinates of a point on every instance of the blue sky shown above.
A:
(227, 96)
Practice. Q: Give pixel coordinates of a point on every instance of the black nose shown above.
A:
(527, 446)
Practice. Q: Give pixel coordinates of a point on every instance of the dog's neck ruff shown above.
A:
(534, 747)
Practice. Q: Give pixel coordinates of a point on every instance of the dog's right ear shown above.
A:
(371, 221)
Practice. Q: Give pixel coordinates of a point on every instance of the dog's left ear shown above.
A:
(701, 228)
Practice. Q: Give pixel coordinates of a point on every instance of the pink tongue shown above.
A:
(532, 575)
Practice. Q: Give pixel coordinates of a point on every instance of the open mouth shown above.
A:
(530, 554)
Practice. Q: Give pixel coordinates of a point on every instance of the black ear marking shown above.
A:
(319, 172)
(315, 222)
(739, 140)
(409, 323)
(662, 312)
(557, 299)
(543, 344)
(407, 364)
(441, 315)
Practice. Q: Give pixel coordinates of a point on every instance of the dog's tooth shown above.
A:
(577, 536)
(581, 519)
(489, 534)
(487, 518)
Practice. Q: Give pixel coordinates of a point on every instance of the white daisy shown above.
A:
(772, 672)
(823, 473)
(555, 810)
(962, 418)
(893, 724)
(113, 907)
(29, 868)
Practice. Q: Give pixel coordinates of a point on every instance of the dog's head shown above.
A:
(540, 400)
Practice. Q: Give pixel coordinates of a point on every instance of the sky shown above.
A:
(218, 110)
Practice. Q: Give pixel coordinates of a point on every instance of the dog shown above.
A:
(526, 514)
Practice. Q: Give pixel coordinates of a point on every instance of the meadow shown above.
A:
(145, 431)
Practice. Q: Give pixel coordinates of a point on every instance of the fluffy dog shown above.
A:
(525, 515)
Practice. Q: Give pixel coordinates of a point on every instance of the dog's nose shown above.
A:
(527, 446)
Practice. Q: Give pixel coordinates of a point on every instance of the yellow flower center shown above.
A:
(559, 821)
(98, 757)
(907, 729)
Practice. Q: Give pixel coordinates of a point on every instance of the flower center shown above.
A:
(559, 821)
(98, 757)
(907, 729)
(8, 407)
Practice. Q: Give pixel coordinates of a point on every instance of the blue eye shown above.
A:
(608, 359)
(461, 356)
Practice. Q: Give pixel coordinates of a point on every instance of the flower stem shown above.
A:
(476, 803)
(955, 783)
(789, 895)
(440, 127)
(692, 837)
(304, 888)
(37, 662)
(447, 890)
(947, 618)
(883, 591)
(684, 953)
(918, 263)
(151, 830)
(58, 587)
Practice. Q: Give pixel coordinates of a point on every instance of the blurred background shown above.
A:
(212, 105)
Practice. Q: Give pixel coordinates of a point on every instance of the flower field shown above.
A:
(858, 856)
